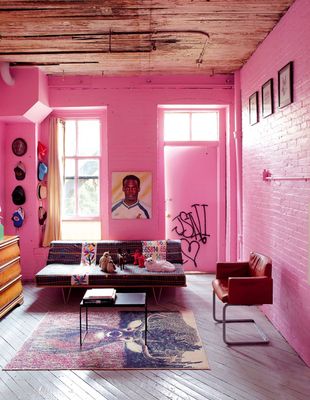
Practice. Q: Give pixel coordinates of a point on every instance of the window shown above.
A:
(193, 125)
(81, 177)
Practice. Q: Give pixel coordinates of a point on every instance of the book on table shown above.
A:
(89, 302)
(99, 295)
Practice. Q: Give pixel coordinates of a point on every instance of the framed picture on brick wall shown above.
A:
(285, 85)
(253, 108)
(267, 98)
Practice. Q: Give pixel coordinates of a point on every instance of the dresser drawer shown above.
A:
(10, 292)
(9, 271)
(9, 251)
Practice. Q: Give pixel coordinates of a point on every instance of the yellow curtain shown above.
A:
(54, 183)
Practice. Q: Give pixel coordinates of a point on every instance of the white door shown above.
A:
(192, 203)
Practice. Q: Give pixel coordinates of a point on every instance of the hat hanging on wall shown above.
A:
(42, 171)
(20, 171)
(19, 147)
(18, 217)
(42, 215)
(42, 151)
(18, 196)
(42, 191)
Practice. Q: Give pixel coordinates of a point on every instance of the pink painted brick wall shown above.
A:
(276, 213)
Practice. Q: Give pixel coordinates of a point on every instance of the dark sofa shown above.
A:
(63, 264)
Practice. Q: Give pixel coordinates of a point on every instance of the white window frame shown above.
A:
(189, 110)
(76, 158)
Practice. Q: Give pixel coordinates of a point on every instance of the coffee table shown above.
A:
(122, 300)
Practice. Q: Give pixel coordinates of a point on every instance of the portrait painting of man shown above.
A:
(131, 195)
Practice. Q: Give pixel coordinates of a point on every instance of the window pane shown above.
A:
(81, 175)
(88, 138)
(176, 126)
(70, 138)
(88, 197)
(205, 126)
(88, 168)
(88, 187)
(69, 168)
(69, 198)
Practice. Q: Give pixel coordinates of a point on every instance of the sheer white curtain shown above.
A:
(54, 184)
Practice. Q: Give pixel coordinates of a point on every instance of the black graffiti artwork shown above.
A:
(190, 250)
(191, 227)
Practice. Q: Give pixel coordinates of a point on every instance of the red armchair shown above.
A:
(243, 284)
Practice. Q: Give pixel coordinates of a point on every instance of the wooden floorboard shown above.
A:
(242, 373)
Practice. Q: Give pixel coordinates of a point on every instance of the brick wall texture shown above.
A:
(276, 213)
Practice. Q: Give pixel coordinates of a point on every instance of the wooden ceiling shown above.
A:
(126, 37)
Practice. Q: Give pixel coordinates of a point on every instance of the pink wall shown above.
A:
(132, 127)
(2, 165)
(130, 141)
(276, 213)
(27, 99)
(29, 232)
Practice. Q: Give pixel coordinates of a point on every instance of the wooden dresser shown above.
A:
(11, 289)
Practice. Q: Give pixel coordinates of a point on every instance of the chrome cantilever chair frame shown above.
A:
(224, 321)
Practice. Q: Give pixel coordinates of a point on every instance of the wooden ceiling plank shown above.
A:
(79, 34)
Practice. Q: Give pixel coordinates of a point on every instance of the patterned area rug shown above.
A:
(115, 340)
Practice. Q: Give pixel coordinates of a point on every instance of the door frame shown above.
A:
(221, 159)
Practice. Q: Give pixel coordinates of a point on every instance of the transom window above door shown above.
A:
(191, 125)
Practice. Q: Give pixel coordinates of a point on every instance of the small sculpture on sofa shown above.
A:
(141, 260)
(106, 263)
(137, 254)
(138, 258)
(129, 257)
(121, 259)
(158, 265)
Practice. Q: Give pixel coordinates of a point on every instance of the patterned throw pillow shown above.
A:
(88, 256)
(79, 280)
(157, 249)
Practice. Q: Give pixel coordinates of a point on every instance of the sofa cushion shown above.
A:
(112, 247)
(174, 252)
(131, 276)
(64, 252)
(157, 249)
(69, 252)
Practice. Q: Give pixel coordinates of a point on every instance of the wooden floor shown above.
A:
(246, 372)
